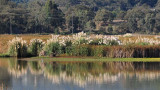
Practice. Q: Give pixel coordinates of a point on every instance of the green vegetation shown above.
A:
(4, 55)
(86, 59)
(17, 48)
(71, 16)
(53, 49)
(35, 47)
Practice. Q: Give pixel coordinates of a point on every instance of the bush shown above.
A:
(17, 47)
(35, 46)
(68, 50)
(53, 49)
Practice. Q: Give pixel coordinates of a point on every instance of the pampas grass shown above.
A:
(36, 46)
(17, 47)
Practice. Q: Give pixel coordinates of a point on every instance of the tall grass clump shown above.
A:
(79, 50)
(17, 47)
(146, 51)
(36, 46)
(120, 52)
(96, 51)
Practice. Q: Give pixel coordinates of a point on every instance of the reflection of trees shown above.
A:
(17, 67)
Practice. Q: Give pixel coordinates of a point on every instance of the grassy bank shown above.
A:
(4, 55)
(86, 59)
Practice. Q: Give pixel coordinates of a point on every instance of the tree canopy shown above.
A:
(71, 16)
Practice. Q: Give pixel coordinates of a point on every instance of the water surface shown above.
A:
(48, 75)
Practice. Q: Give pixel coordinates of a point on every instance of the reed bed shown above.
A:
(117, 51)
(132, 51)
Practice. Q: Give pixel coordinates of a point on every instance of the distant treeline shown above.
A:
(72, 16)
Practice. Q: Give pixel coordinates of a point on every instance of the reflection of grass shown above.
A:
(75, 69)
(34, 65)
(17, 64)
(95, 59)
(53, 68)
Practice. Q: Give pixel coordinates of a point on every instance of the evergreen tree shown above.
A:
(54, 16)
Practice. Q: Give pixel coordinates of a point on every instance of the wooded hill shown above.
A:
(71, 16)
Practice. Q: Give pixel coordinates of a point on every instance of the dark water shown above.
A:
(45, 75)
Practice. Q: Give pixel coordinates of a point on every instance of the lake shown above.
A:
(79, 75)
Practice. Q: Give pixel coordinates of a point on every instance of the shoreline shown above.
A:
(91, 59)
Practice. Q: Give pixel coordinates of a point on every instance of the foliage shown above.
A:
(4, 55)
(72, 16)
(52, 49)
(54, 16)
(103, 15)
(35, 47)
(97, 51)
(17, 47)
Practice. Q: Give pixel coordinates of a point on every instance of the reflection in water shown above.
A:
(35, 67)
(82, 74)
(17, 67)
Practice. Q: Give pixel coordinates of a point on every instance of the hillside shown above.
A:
(72, 16)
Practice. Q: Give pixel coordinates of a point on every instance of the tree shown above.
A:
(54, 16)
(36, 22)
(72, 21)
(83, 13)
(3, 2)
(150, 22)
(90, 25)
(104, 16)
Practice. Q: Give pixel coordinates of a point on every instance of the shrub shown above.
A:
(53, 49)
(17, 47)
(69, 50)
(35, 46)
